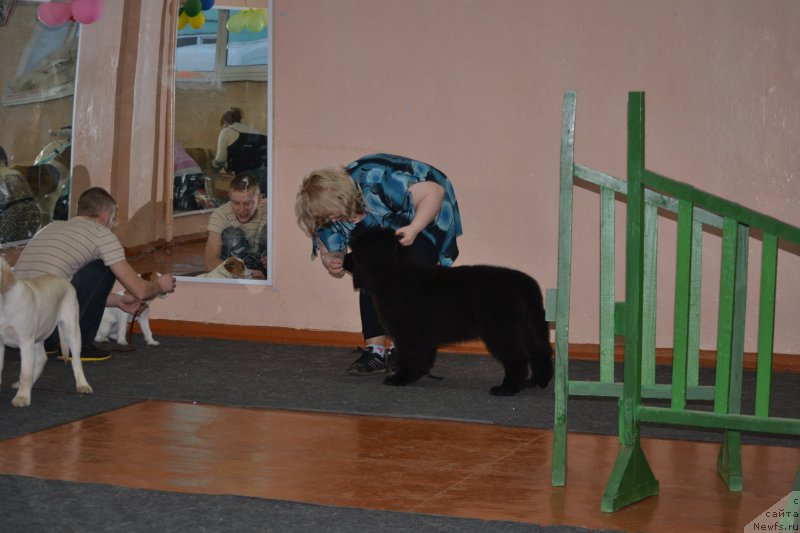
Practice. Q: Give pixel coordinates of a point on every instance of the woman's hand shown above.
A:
(407, 235)
(333, 263)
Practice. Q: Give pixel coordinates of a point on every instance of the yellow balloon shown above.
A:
(254, 21)
(236, 23)
(183, 20)
(197, 21)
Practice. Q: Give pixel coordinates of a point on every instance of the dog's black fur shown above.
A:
(425, 306)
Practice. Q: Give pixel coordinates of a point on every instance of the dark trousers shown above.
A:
(422, 250)
(93, 284)
(235, 243)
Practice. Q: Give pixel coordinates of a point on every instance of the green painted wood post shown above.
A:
(632, 478)
(693, 341)
(649, 291)
(766, 323)
(607, 284)
(729, 461)
(725, 314)
(683, 273)
(561, 385)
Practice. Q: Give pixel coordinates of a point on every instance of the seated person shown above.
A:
(188, 179)
(85, 251)
(239, 228)
(241, 148)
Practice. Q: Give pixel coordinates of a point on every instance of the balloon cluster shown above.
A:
(192, 13)
(58, 13)
(252, 19)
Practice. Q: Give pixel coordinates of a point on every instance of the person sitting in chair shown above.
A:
(241, 148)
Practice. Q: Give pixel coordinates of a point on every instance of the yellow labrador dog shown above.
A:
(30, 309)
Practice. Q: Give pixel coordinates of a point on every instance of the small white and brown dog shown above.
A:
(231, 268)
(30, 310)
(115, 321)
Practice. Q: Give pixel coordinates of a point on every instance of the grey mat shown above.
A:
(313, 378)
(57, 506)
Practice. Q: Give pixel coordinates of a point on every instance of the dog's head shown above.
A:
(236, 268)
(152, 276)
(376, 253)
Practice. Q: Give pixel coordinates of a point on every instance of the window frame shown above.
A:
(222, 72)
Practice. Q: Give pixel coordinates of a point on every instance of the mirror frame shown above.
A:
(270, 143)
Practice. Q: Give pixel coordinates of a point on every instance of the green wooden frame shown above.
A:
(647, 192)
(611, 312)
(631, 479)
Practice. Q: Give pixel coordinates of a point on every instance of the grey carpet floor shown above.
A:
(34, 505)
(313, 378)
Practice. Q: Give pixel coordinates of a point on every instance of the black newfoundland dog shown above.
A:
(424, 306)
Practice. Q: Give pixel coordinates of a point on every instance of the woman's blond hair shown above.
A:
(326, 192)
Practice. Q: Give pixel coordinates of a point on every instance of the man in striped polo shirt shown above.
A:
(84, 250)
(239, 227)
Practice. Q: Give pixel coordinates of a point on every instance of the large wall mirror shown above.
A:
(37, 70)
(221, 62)
(221, 131)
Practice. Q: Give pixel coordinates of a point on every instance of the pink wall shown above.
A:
(476, 89)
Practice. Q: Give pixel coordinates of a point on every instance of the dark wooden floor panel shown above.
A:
(445, 468)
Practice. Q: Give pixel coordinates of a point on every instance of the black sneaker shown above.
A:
(391, 361)
(369, 362)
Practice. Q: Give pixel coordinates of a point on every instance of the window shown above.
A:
(213, 53)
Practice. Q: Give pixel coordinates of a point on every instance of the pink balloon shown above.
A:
(87, 11)
(51, 14)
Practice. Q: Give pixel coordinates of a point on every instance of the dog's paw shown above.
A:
(395, 380)
(152, 342)
(122, 342)
(502, 390)
(84, 389)
(21, 401)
